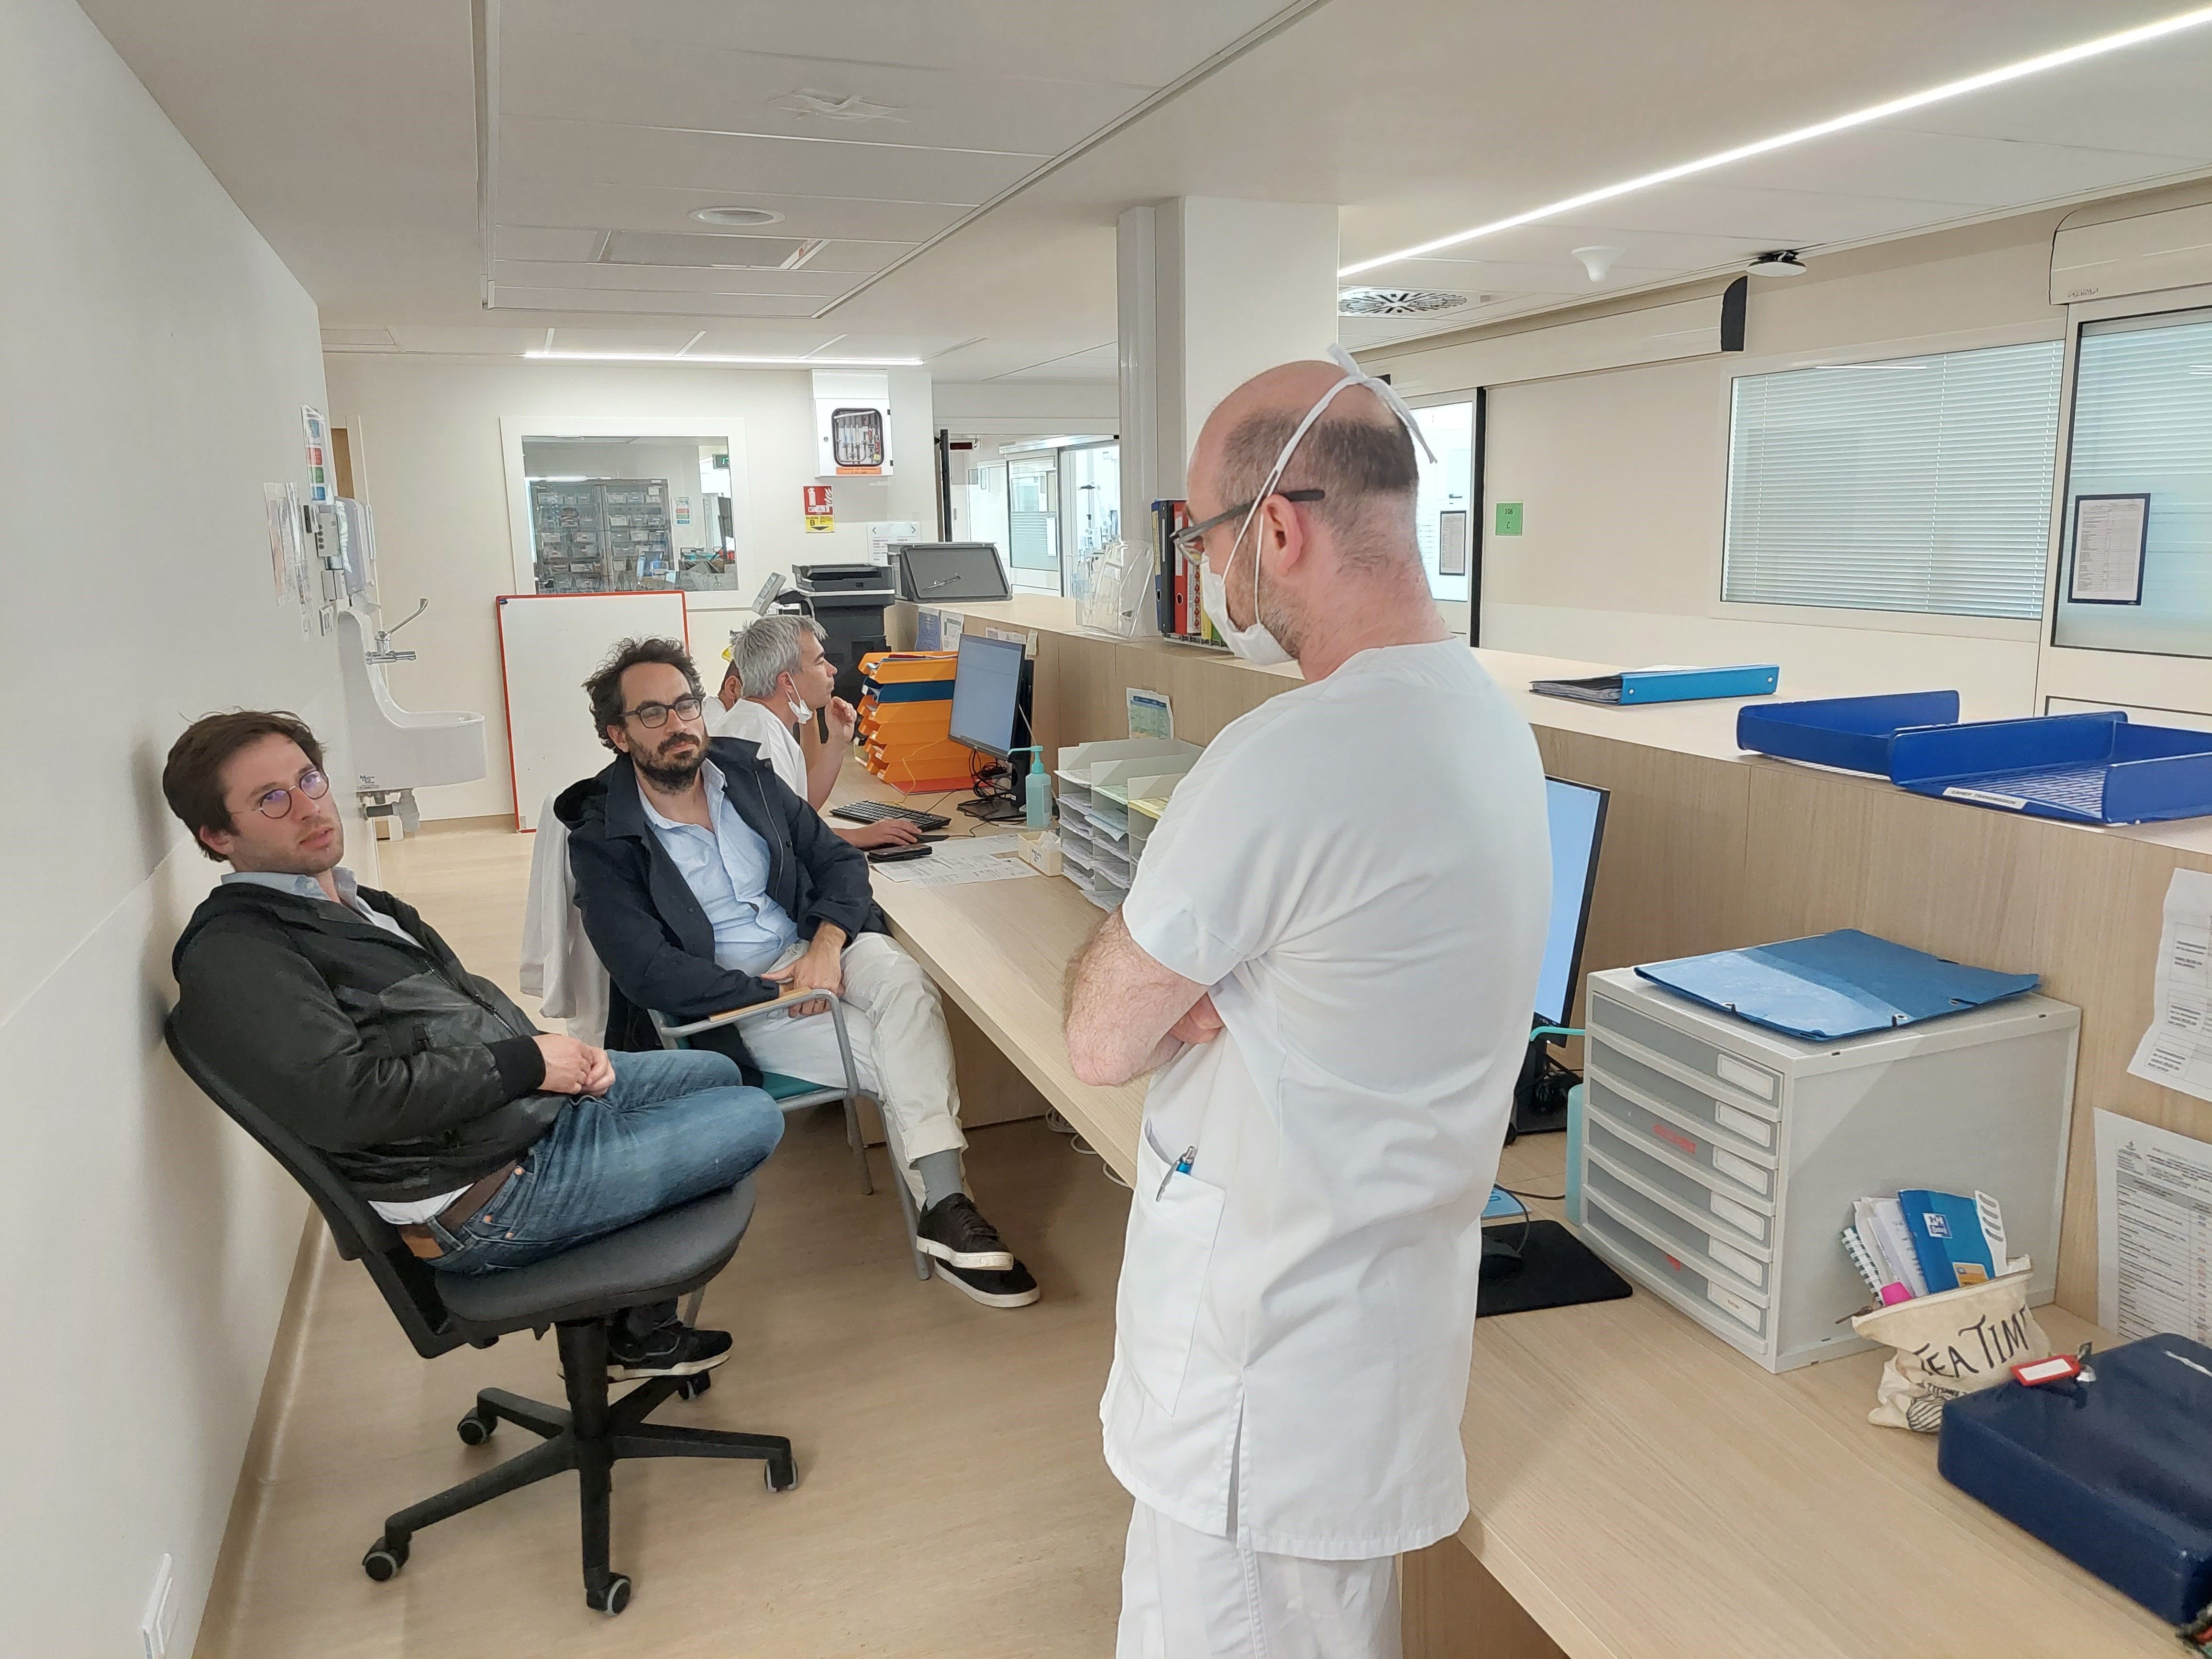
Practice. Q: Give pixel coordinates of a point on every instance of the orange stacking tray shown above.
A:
(906, 740)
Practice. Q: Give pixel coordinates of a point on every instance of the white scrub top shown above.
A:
(756, 725)
(1360, 869)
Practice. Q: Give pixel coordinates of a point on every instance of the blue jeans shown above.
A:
(678, 1124)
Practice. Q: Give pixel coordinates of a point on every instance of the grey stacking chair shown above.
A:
(791, 1094)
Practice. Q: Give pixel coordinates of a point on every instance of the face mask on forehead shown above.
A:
(1256, 644)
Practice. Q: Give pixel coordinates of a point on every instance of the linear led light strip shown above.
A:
(2019, 71)
(711, 357)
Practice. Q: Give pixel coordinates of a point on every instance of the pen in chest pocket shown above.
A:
(1181, 1167)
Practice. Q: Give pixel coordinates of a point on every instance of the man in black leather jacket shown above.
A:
(342, 1014)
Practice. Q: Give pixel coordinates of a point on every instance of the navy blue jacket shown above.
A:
(649, 929)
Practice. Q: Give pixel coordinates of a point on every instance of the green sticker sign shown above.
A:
(1509, 518)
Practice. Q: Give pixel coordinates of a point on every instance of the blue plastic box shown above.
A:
(1854, 734)
(2086, 768)
(2115, 1475)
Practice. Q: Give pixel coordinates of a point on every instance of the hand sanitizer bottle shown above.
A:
(1037, 794)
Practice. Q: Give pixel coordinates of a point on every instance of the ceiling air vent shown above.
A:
(1396, 301)
(343, 338)
(701, 252)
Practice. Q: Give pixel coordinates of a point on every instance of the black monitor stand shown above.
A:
(1539, 1094)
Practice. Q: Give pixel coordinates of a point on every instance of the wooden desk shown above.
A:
(1709, 849)
(1639, 1489)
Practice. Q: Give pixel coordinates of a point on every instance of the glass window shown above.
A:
(1444, 509)
(1091, 484)
(1918, 484)
(2142, 426)
(1033, 522)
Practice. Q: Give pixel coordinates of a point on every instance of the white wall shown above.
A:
(147, 1244)
(1623, 477)
(1034, 408)
(428, 453)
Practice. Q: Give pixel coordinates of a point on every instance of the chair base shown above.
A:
(590, 1437)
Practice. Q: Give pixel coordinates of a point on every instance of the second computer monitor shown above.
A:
(1576, 814)
(986, 693)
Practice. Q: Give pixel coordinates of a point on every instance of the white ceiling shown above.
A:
(348, 134)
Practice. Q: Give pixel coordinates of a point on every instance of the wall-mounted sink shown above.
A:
(396, 748)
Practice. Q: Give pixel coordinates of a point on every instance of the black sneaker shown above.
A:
(674, 1350)
(954, 1231)
(1012, 1287)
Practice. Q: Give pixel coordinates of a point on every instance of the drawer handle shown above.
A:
(1675, 1139)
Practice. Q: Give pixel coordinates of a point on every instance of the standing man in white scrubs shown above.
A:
(1330, 956)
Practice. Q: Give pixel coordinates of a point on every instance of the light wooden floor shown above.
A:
(952, 1500)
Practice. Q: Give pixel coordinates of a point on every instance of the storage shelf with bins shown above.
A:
(601, 535)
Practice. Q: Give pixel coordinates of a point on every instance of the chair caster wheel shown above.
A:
(384, 1558)
(780, 1476)
(475, 1430)
(691, 1387)
(611, 1599)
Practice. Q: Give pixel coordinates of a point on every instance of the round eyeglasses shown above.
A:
(655, 715)
(277, 803)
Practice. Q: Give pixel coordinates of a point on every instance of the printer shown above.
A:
(848, 601)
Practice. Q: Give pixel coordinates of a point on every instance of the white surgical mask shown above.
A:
(799, 711)
(1256, 644)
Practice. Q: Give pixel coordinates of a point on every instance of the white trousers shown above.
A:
(900, 1047)
(1188, 1595)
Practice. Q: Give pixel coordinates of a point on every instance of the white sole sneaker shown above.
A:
(990, 1299)
(620, 1373)
(983, 1261)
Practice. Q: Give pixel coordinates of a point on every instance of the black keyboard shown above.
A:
(875, 811)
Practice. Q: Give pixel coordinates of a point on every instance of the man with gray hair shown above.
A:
(778, 676)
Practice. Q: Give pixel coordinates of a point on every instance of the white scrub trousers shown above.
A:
(900, 1047)
(1186, 1596)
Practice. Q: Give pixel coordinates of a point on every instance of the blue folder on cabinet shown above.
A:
(1666, 684)
(1834, 985)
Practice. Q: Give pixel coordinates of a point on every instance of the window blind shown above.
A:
(2143, 423)
(1918, 483)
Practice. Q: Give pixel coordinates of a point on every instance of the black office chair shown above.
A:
(579, 1292)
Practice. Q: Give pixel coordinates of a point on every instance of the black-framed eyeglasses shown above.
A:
(1187, 542)
(655, 715)
(277, 803)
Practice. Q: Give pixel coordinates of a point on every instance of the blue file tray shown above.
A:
(1832, 986)
(2115, 1475)
(2086, 768)
(1853, 733)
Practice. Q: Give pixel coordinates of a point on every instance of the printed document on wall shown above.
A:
(2177, 1049)
(2154, 1231)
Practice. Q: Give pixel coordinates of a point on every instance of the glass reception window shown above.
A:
(2141, 428)
(1913, 484)
(1444, 507)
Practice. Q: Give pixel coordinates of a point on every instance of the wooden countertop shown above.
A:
(1706, 729)
(1642, 1489)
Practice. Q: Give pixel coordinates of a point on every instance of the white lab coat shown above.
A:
(559, 966)
(1360, 869)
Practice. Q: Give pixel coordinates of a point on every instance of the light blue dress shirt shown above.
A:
(308, 887)
(727, 870)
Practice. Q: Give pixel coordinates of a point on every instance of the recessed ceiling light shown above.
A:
(2026, 67)
(736, 216)
(1395, 301)
(1782, 262)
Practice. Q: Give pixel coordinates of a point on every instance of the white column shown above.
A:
(1210, 293)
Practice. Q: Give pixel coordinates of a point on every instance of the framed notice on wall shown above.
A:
(2110, 534)
(1451, 542)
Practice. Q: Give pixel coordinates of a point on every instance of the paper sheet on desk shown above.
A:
(977, 858)
(2153, 1230)
(2177, 1049)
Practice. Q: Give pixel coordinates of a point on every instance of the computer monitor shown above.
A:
(771, 591)
(987, 690)
(943, 573)
(1576, 813)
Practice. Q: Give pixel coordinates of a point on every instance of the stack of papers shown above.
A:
(1917, 1243)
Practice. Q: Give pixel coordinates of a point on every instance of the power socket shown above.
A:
(159, 1622)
